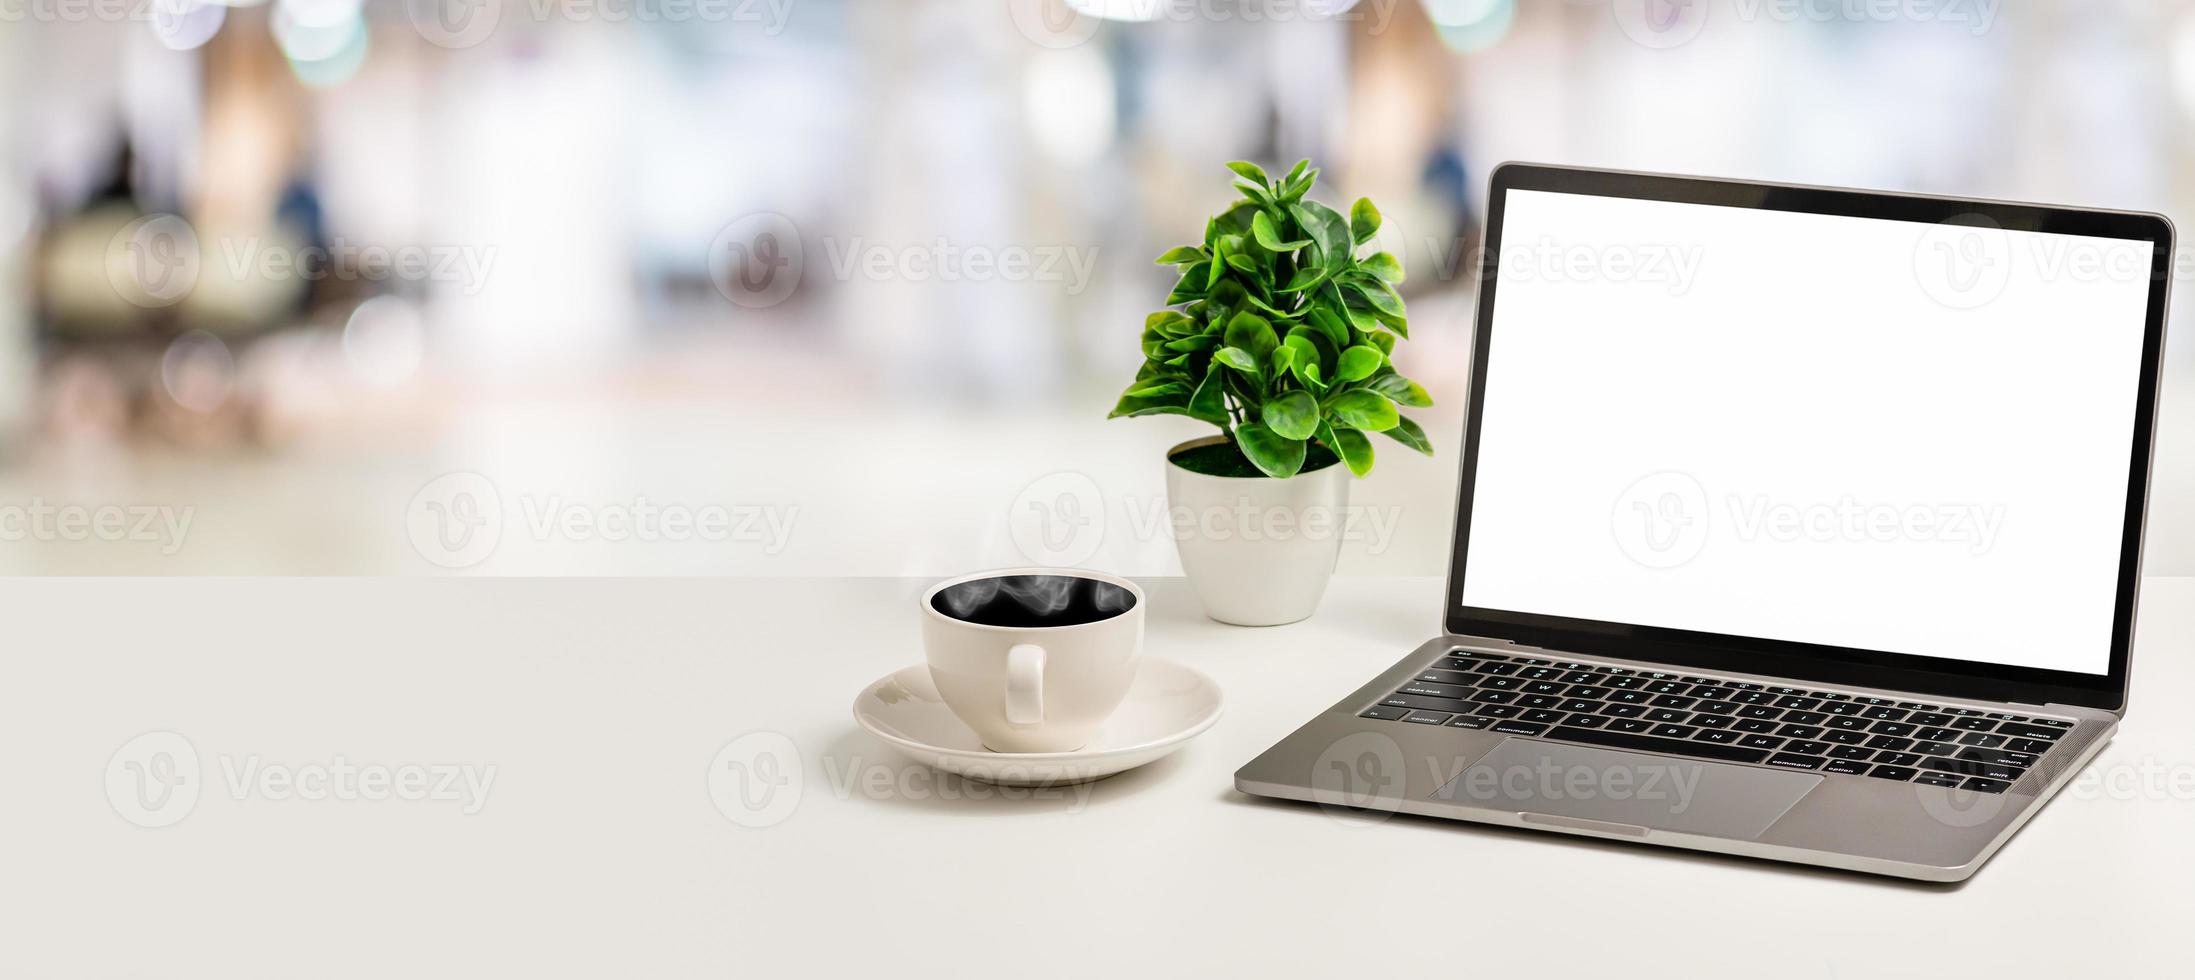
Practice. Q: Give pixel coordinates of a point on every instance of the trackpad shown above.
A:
(1580, 786)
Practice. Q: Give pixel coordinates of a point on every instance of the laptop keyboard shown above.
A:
(1725, 721)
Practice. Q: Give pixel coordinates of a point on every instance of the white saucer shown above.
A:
(1168, 705)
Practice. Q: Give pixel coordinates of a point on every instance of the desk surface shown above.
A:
(596, 848)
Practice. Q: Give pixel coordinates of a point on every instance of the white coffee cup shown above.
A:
(1033, 659)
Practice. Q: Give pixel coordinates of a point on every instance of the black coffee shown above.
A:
(1033, 601)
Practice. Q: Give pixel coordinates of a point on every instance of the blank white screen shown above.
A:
(1792, 431)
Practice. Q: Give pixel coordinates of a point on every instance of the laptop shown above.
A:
(1795, 523)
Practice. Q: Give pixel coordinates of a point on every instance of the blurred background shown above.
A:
(807, 287)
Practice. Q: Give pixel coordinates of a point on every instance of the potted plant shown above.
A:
(1279, 334)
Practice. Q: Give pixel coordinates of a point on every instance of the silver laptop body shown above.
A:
(1580, 692)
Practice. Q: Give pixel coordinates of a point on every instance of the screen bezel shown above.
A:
(1820, 663)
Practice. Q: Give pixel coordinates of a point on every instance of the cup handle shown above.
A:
(1025, 685)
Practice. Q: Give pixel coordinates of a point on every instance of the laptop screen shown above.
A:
(1897, 436)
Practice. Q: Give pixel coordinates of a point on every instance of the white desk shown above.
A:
(598, 850)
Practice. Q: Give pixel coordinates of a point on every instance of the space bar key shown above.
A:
(1658, 746)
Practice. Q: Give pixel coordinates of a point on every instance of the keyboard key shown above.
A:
(1500, 683)
(1799, 703)
(1718, 736)
(1590, 693)
(1844, 737)
(1622, 710)
(1666, 715)
(1759, 711)
(1537, 701)
(1427, 717)
(1907, 759)
(1930, 718)
(1629, 697)
(1789, 761)
(1899, 773)
(1497, 710)
(1698, 747)
(1968, 767)
(1481, 655)
(1454, 663)
(1672, 701)
(1842, 708)
(1668, 687)
(2030, 745)
(1624, 682)
(1936, 748)
(1541, 716)
(1450, 705)
(1709, 692)
(1709, 721)
(2038, 732)
(1543, 687)
(1578, 677)
(1850, 752)
(1783, 691)
(1587, 721)
(1805, 718)
(1432, 690)
(1539, 673)
(1385, 713)
(1974, 724)
(1759, 741)
(1672, 731)
(1983, 739)
(1850, 724)
(1805, 747)
(1752, 697)
(1945, 735)
(2051, 722)
(1753, 726)
(1850, 767)
(1471, 721)
(1890, 744)
(1934, 779)
(1510, 726)
(1497, 668)
(1885, 714)
(1495, 697)
(1628, 725)
(1981, 785)
(1799, 731)
(1895, 729)
(2019, 760)
(1716, 707)
(1578, 704)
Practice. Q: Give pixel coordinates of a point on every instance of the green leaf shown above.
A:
(1399, 389)
(1284, 357)
(1326, 227)
(1252, 333)
(1195, 280)
(1364, 409)
(1331, 324)
(1409, 434)
(1357, 363)
(1181, 255)
(1157, 390)
(1294, 415)
(1209, 401)
(1307, 277)
(1202, 341)
(1293, 190)
(1277, 312)
(1277, 456)
(1296, 171)
(1355, 449)
(1249, 171)
(1242, 263)
(1239, 359)
(1364, 219)
(1169, 322)
(1383, 340)
(1261, 228)
(1256, 192)
(1383, 265)
(1380, 295)
(1131, 406)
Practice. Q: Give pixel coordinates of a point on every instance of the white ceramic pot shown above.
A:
(1258, 551)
